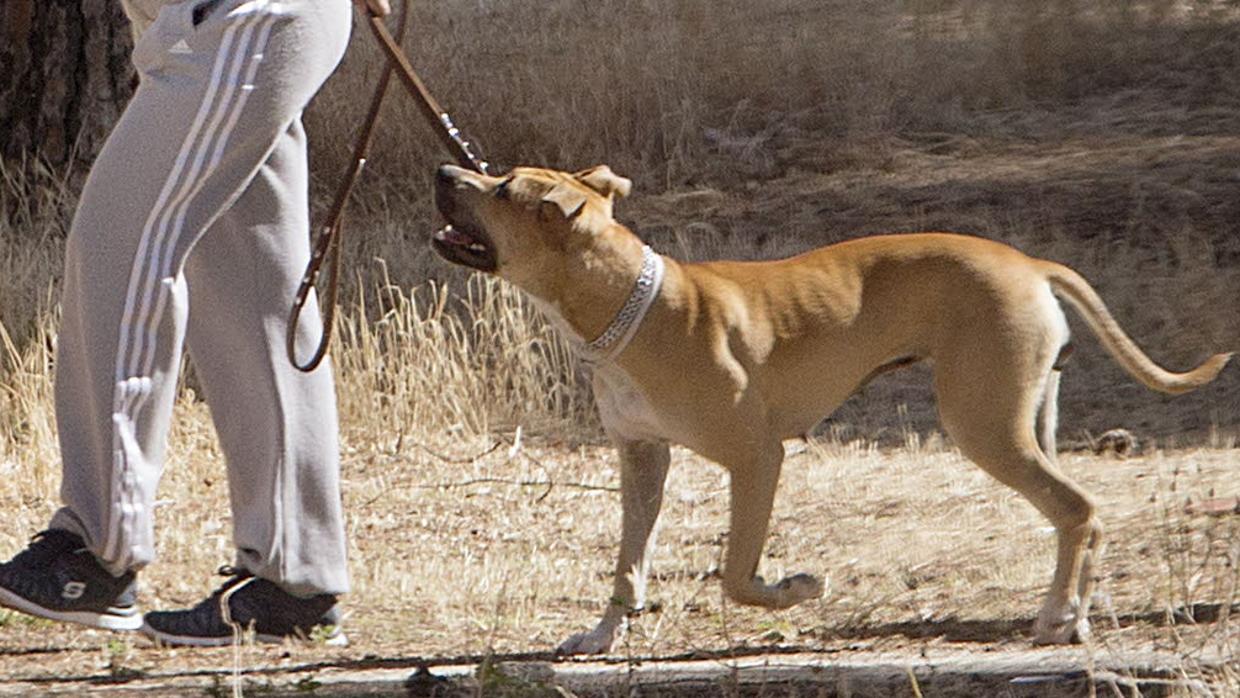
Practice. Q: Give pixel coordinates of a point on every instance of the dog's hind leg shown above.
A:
(1048, 413)
(753, 484)
(643, 470)
(992, 421)
(1048, 416)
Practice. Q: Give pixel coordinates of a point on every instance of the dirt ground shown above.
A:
(481, 570)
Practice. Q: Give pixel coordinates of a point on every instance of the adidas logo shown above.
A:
(180, 47)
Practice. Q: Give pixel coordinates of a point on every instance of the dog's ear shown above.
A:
(567, 198)
(602, 180)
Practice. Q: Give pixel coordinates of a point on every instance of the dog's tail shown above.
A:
(1070, 286)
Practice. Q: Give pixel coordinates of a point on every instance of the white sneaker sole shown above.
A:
(337, 639)
(112, 619)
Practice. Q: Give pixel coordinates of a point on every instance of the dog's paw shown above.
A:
(1068, 633)
(1061, 626)
(596, 641)
(800, 587)
(787, 592)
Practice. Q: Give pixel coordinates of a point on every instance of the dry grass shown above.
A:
(1100, 136)
(461, 549)
(467, 543)
(486, 342)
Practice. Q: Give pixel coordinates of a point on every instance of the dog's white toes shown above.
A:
(1082, 633)
(1065, 634)
(596, 641)
(1064, 628)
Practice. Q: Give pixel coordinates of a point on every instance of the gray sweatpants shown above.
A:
(192, 230)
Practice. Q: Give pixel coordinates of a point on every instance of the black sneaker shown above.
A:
(56, 577)
(247, 603)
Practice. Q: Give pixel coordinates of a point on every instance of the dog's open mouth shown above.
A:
(465, 245)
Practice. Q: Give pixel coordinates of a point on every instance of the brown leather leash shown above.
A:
(328, 242)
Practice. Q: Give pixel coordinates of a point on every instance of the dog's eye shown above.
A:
(501, 189)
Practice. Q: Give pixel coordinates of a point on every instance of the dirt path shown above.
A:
(937, 671)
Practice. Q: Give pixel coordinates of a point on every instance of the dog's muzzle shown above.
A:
(462, 241)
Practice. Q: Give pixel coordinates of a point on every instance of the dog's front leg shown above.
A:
(753, 484)
(643, 469)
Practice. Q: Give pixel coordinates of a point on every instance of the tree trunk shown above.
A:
(64, 78)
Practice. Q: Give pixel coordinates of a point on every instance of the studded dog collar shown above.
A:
(619, 333)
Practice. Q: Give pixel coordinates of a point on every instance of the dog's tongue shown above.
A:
(454, 236)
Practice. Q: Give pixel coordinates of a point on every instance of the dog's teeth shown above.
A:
(475, 247)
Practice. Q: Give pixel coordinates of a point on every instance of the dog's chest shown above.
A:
(623, 408)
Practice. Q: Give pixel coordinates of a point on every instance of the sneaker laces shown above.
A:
(47, 546)
(238, 579)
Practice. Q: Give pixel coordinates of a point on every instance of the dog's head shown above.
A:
(527, 225)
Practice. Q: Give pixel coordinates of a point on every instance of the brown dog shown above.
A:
(730, 358)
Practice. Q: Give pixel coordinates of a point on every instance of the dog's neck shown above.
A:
(599, 285)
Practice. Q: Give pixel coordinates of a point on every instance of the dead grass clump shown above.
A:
(28, 450)
(35, 205)
(428, 361)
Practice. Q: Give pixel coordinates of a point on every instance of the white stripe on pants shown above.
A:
(193, 227)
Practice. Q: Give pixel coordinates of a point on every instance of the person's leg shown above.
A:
(277, 425)
(219, 88)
